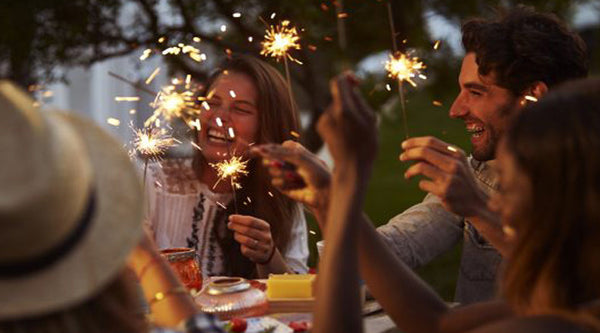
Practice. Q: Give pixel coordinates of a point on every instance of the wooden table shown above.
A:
(375, 322)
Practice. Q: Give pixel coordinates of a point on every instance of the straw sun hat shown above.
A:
(70, 208)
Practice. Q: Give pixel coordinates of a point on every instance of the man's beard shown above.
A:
(488, 151)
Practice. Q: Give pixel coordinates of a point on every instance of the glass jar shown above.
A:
(231, 297)
(184, 263)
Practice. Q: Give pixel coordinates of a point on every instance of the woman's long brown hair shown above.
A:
(276, 123)
(555, 266)
(115, 308)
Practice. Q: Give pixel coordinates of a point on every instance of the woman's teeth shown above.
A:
(217, 136)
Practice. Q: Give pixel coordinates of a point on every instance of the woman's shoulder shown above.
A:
(174, 175)
(527, 324)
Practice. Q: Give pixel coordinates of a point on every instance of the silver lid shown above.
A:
(228, 285)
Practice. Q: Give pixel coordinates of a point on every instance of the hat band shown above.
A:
(32, 265)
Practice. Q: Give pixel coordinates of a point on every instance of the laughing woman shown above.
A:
(248, 103)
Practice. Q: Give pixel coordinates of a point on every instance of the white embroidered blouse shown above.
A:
(182, 210)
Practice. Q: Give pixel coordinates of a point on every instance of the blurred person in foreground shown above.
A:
(70, 230)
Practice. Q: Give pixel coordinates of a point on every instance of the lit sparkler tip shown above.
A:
(170, 103)
(151, 143)
(403, 67)
(233, 168)
(279, 40)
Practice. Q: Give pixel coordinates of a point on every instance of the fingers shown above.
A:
(254, 254)
(431, 156)
(244, 222)
(252, 243)
(429, 186)
(253, 234)
(433, 143)
(424, 169)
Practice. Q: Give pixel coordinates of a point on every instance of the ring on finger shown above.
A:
(254, 242)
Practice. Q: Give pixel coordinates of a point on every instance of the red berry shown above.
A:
(238, 325)
(298, 326)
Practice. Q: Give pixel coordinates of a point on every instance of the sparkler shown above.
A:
(170, 103)
(151, 144)
(403, 67)
(233, 169)
(279, 41)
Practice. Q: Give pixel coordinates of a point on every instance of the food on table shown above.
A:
(237, 325)
(290, 285)
(299, 326)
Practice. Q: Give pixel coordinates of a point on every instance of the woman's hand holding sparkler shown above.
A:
(254, 236)
(298, 174)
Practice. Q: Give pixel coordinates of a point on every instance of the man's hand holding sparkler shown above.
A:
(451, 179)
(299, 174)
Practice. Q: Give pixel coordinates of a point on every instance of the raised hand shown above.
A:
(348, 125)
(298, 173)
(450, 177)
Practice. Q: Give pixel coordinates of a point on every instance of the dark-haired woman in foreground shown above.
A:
(549, 166)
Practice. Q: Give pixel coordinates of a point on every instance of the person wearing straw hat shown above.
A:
(70, 221)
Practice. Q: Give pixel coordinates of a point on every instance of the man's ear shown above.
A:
(536, 91)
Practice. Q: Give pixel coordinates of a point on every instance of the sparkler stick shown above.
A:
(151, 144)
(278, 42)
(341, 27)
(233, 168)
(133, 84)
(401, 67)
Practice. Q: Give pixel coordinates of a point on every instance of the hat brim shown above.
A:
(100, 255)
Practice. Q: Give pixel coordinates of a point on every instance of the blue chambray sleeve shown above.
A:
(422, 232)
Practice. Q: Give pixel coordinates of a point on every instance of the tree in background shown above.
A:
(36, 36)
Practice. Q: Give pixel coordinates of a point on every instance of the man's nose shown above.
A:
(458, 109)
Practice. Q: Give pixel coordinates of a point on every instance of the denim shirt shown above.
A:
(427, 230)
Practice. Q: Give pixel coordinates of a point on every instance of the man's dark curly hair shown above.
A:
(523, 46)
